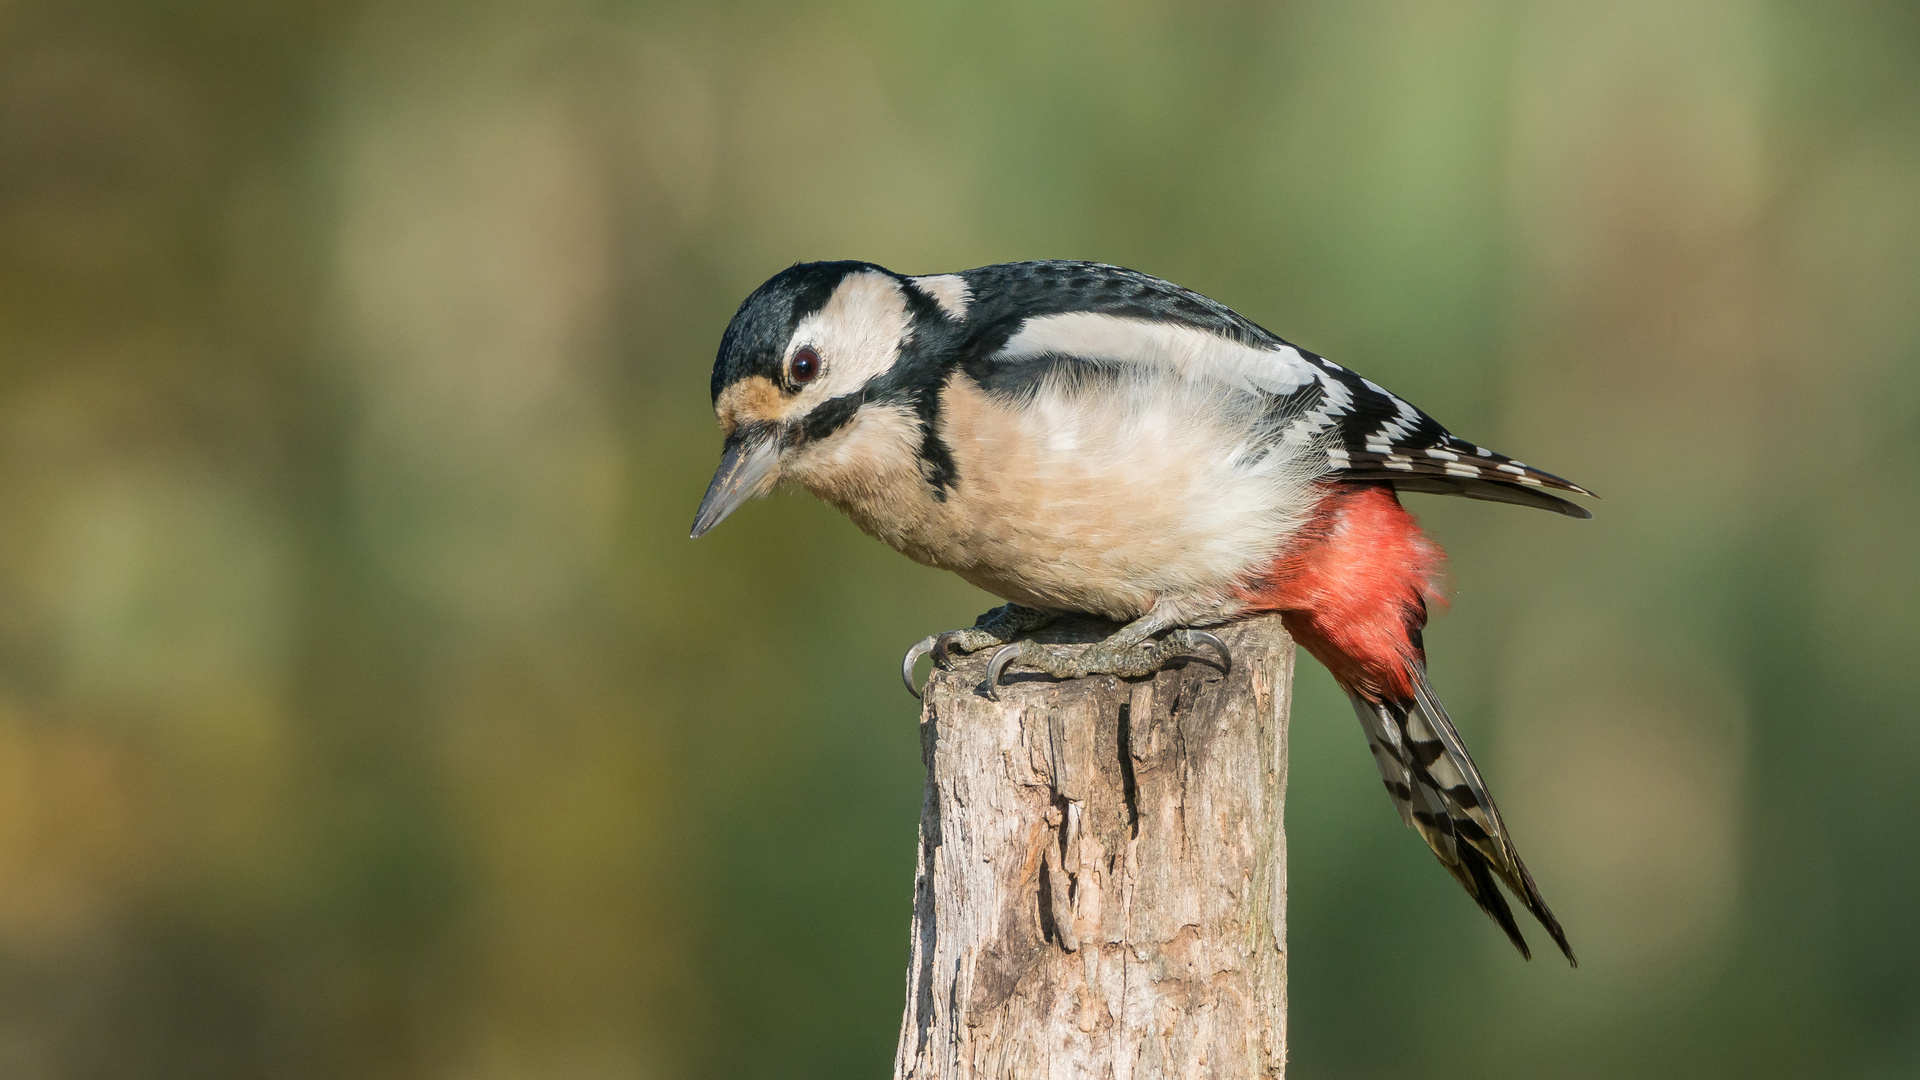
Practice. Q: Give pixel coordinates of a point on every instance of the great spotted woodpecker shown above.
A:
(1077, 437)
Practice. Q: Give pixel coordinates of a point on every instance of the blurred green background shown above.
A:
(365, 710)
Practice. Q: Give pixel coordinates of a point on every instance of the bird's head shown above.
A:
(815, 353)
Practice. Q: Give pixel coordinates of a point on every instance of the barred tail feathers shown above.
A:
(1439, 792)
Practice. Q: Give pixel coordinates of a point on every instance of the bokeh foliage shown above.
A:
(365, 711)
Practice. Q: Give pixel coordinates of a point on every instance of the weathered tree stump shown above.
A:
(1101, 888)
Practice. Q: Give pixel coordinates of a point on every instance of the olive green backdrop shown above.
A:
(366, 712)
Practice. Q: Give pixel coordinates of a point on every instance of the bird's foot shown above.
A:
(1111, 657)
(996, 627)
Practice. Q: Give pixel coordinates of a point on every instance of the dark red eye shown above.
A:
(806, 364)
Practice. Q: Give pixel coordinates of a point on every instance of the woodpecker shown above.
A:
(1076, 437)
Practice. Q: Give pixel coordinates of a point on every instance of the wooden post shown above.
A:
(1101, 888)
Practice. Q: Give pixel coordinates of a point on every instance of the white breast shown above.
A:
(1101, 496)
(1109, 495)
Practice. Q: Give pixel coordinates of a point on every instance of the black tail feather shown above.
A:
(1439, 791)
(1491, 899)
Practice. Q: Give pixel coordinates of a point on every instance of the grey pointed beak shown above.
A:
(746, 469)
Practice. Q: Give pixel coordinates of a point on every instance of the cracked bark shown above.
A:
(1101, 889)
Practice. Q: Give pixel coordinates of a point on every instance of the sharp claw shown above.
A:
(1201, 637)
(996, 666)
(940, 646)
(920, 648)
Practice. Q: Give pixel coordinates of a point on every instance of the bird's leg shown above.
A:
(1128, 652)
(996, 627)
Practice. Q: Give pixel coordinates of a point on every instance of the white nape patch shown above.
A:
(950, 291)
(1196, 354)
(857, 332)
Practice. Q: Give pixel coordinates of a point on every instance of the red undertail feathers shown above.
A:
(1353, 589)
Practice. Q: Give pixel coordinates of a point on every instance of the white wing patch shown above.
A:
(1193, 353)
(950, 291)
(1319, 411)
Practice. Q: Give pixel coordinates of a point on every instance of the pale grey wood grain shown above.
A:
(1101, 889)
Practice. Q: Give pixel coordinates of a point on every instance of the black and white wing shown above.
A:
(1028, 320)
(1373, 434)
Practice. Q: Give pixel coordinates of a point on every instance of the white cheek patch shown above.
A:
(865, 455)
(1196, 354)
(950, 291)
(858, 333)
